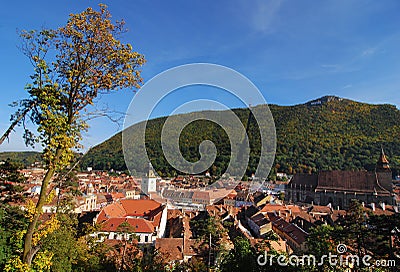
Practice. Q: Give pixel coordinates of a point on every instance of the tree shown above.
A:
(243, 257)
(355, 227)
(321, 241)
(10, 179)
(383, 240)
(204, 228)
(72, 66)
(125, 229)
(192, 265)
(63, 243)
(12, 225)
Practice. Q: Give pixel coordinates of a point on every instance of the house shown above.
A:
(294, 236)
(85, 203)
(229, 200)
(314, 216)
(259, 224)
(177, 249)
(286, 211)
(132, 194)
(123, 228)
(201, 197)
(178, 196)
(144, 218)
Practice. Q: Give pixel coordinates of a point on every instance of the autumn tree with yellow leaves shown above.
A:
(72, 66)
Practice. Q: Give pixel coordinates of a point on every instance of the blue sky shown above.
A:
(293, 51)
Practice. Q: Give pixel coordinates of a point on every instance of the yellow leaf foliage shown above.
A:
(42, 261)
(30, 209)
(46, 228)
(15, 264)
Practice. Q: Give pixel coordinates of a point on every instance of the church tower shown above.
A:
(383, 172)
(149, 182)
(383, 164)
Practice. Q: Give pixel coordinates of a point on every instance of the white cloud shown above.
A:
(265, 15)
(368, 52)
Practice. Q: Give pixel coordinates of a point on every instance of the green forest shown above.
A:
(26, 158)
(324, 134)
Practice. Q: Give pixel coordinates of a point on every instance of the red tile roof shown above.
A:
(129, 207)
(290, 230)
(170, 248)
(201, 195)
(276, 207)
(117, 196)
(320, 209)
(140, 207)
(111, 211)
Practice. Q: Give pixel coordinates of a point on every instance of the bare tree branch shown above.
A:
(112, 115)
(16, 122)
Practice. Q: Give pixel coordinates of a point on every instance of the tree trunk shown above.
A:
(29, 249)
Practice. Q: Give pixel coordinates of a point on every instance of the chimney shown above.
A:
(373, 206)
(396, 209)
(279, 212)
(338, 208)
(363, 204)
(383, 205)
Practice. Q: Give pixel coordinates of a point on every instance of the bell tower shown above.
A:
(383, 172)
(149, 182)
(382, 164)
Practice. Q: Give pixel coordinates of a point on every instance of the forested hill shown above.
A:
(326, 133)
(27, 158)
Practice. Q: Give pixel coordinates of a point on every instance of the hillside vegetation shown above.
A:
(327, 133)
(27, 158)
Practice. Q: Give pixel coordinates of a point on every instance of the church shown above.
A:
(337, 188)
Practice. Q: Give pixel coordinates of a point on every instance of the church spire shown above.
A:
(382, 163)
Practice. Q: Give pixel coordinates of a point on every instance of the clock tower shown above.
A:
(148, 184)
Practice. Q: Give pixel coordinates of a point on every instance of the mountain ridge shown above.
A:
(334, 133)
(326, 133)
